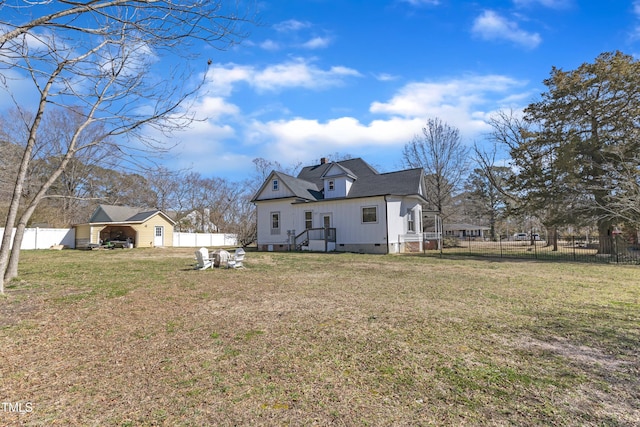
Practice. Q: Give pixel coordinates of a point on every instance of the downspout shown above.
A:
(386, 222)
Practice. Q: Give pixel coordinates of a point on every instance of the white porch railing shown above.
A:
(418, 242)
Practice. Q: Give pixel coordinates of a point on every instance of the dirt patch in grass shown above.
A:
(615, 401)
(137, 337)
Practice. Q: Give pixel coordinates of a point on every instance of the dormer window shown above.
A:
(274, 185)
(332, 185)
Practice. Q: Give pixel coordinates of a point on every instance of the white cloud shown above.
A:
(221, 78)
(298, 72)
(215, 107)
(635, 34)
(270, 45)
(491, 26)
(422, 2)
(291, 25)
(423, 99)
(551, 4)
(385, 77)
(317, 43)
(15, 90)
(300, 137)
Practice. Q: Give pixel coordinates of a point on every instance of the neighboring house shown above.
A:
(465, 231)
(124, 224)
(197, 222)
(342, 206)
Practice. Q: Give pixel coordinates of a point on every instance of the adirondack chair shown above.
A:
(235, 260)
(202, 259)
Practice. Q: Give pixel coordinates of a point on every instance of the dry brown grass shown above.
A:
(136, 337)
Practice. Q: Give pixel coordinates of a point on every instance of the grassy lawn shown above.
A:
(136, 337)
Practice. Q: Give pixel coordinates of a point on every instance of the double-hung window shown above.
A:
(275, 222)
(411, 223)
(369, 214)
(308, 220)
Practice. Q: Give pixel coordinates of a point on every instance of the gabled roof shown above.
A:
(111, 213)
(300, 188)
(368, 182)
(357, 167)
(345, 171)
(121, 214)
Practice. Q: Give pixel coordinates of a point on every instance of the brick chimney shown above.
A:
(323, 160)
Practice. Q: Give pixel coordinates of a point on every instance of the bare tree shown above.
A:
(440, 152)
(70, 192)
(102, 56)
(245, 227)
(166, 185)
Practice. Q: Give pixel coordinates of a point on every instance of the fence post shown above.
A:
(500, 240)
(573, 244)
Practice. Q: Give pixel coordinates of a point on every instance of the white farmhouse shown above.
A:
(342, 206)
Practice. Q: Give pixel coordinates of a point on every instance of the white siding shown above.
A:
(395, 219)
(398, 220)
(269, 193)
(263, 215)
(346, 218)
(342, 183)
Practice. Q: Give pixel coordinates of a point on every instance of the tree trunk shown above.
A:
(20, 180)
(11, 270)
(5, 249)
(605, 238)
(552, 238)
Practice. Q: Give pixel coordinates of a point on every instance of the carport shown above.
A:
(119, 235)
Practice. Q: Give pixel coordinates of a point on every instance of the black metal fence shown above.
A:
(571, 248)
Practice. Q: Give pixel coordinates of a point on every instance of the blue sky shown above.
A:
(318, 77)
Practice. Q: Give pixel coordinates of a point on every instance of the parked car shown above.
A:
(520, 236)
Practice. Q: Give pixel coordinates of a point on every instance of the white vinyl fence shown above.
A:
(44, 238)
(193, 240)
